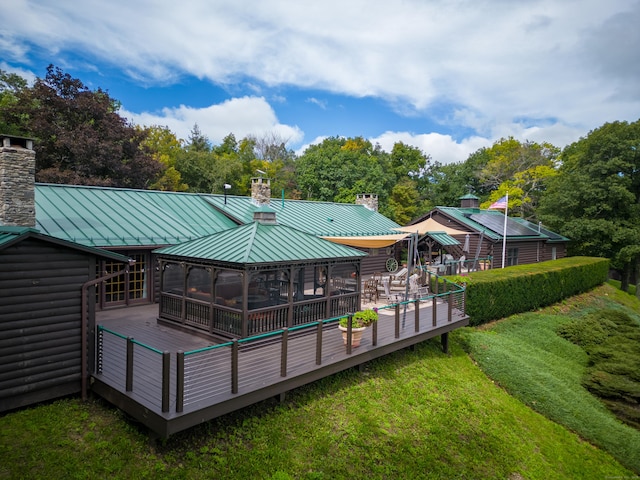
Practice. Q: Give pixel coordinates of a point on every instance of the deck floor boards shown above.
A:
(207, 373)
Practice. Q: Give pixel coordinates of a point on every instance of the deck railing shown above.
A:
(125, 361)
(227, 321)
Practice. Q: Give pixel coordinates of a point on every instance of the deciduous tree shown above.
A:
(80, 137)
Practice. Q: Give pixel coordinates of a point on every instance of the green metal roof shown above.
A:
(11, 235)
(326, 219)
(114, 217)
(443, 239)
(258, 243)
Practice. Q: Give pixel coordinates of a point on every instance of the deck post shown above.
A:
(129, 378)
(450, 313)
(374, 334)
(444, 339)
(99, 349)
(349, 328)
(234, 366)
(179, 381)
(283, 354)
(166, 380)
(417, 315)
(397, 320)
(319, 344)
(434, 310)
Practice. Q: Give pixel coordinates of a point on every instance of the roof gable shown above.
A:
(12, 235)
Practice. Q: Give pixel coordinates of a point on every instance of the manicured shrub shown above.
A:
(498, 293)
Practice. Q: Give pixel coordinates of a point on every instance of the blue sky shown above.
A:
(448, 77)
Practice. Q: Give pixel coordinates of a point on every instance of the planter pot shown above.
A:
(356, 335)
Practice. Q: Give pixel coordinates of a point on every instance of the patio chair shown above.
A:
(415, 288)
(399, 278)
(370, 290)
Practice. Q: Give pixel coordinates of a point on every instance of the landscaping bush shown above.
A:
(498, 293)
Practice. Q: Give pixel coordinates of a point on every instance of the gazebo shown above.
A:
(257, 278)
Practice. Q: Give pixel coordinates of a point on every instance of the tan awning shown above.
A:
(373, 241)
(430, 225)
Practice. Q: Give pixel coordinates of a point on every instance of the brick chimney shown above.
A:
(369, 200)
(261, 191)
(17, 182)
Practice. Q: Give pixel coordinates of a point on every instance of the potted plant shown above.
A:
(360, 321)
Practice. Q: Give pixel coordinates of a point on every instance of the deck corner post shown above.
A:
(129, 377)
(234, 366)
(99, 349)
(450, 302)
(283, 353)
(179, 381)
(166, 379)
(417, 316)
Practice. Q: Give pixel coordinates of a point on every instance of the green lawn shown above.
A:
(414, 414)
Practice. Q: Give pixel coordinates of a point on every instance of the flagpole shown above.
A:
(504, 231)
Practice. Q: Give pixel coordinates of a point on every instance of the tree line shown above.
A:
(589, 191)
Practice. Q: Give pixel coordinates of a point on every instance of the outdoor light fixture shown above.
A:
(226, 187)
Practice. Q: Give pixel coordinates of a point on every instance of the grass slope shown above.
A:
(415, 414)
(526, 356)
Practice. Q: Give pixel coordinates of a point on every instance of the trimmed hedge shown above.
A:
(499, 293)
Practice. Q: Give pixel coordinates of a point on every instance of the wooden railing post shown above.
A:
(434, 311)
(417, 316)
(129, 375)
(283, 354)
(374, 333)
(397, 321)
(179, 381)
(166, 379)
(349, 328)
(99, 350)
(234, 367)
(450, 312)
(319, 344)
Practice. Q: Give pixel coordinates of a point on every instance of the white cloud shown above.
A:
(573, 64)
(441, 148)
(240, 116)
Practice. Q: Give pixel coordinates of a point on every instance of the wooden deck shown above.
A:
(170, 380)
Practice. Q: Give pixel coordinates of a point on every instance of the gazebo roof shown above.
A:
(261, 243)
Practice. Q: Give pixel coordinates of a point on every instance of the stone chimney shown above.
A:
(469, 201)
(369, 200)
(17, 182)
(261, 191)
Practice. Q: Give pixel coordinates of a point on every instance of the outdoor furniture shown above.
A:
(399, 278)
(416, 288)
(370, 289)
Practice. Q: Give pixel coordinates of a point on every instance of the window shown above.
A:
(125, 288)
(512, 257)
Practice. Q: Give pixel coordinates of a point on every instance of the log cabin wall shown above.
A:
(40, 321)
